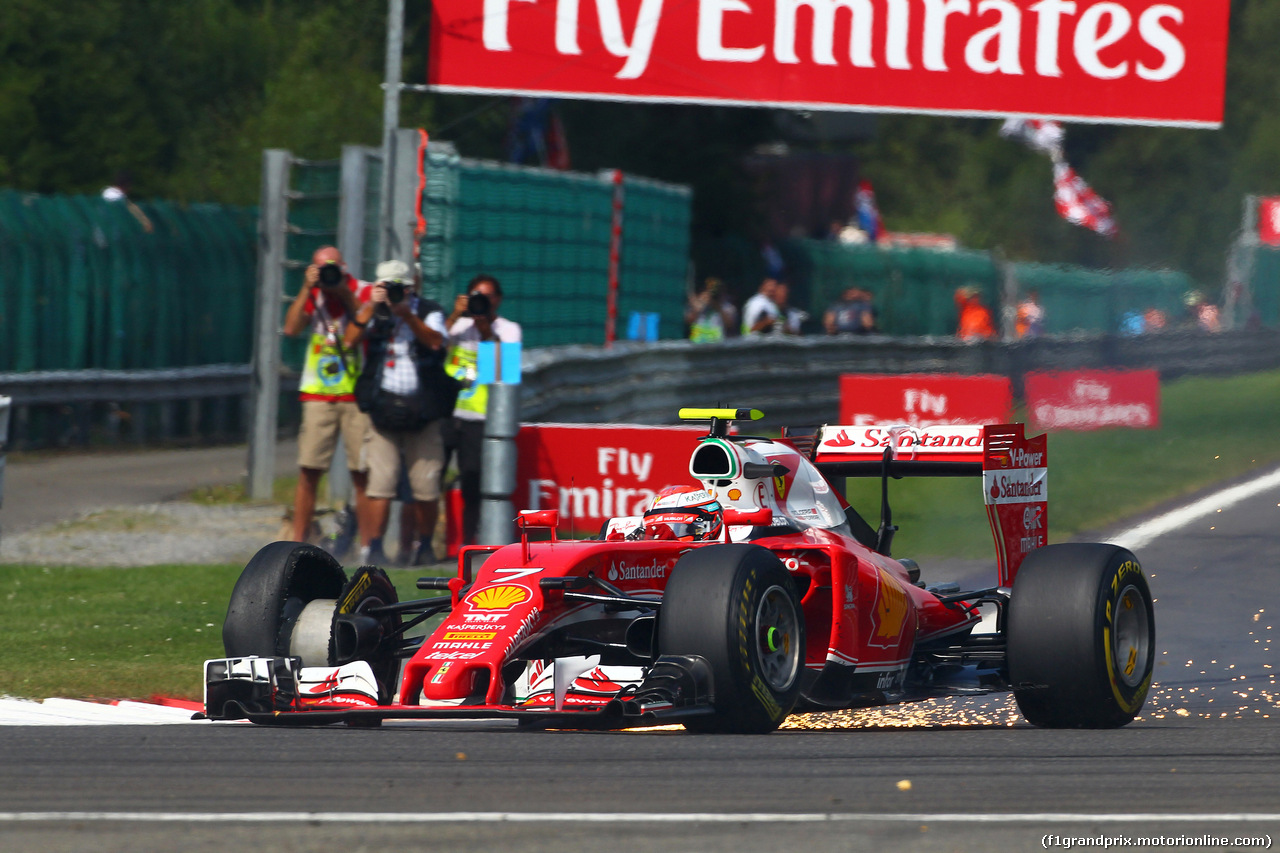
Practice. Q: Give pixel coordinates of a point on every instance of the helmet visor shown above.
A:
(687, 526)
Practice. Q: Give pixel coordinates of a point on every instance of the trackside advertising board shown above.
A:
(1116, 61)
(1094, 399)
(1269, 220)
(593, 472)
(924, 399)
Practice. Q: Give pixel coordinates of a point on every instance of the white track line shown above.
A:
(1148, 531)
(73, 712)
(627, 817)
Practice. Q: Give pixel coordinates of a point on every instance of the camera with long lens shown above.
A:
(479, 304)
(330, 274)
(395, 295)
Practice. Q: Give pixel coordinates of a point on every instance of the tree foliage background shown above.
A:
(185, 94)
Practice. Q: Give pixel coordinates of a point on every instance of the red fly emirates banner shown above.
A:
(1094, 399)
(924, 399)
(592, 473)
(1124, 61)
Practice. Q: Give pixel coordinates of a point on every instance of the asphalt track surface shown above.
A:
(1203, 761)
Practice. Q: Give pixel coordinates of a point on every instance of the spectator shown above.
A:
(854, 314)
(408, 396)
(1132, 323)
(474, 319)
(790, 317)
(975, 318)
(706, 314)
(760, 313)
(119, 192)
(1154, 320)
(868, 213)
(328, 299)
(1029, 322)
(1201, 313)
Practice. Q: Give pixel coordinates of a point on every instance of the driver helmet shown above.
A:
(684, 513)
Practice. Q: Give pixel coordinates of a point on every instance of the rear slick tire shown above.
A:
(1081, 637)
(272, 592)
(735, 606)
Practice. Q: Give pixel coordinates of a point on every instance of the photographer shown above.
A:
(707, 314)
(327, 300)
(474, 319)
(407, 395)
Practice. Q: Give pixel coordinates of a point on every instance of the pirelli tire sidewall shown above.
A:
(271, 593)
(1081, 636)
(711, 608)
(370, 587)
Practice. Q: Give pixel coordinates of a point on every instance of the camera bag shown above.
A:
(437, 390)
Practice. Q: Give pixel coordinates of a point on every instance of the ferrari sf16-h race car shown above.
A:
(729, 606)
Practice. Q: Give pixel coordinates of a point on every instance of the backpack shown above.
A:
(437, 391)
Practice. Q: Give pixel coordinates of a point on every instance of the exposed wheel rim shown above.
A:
(312, 632)
(777, 638)
(1131, 630)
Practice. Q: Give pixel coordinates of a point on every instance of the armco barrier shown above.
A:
(794, 380)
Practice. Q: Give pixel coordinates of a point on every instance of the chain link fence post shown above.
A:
(265, 379)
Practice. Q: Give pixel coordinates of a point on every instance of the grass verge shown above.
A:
(118, 633)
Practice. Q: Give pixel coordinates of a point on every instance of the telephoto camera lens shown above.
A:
(330, 275)
(478, 304)
(395, 292)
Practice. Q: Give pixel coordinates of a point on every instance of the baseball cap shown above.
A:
(394, 271)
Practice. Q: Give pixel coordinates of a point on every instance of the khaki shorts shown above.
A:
(423, 453)
(318, 437)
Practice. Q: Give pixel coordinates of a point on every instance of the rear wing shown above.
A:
(1014, 471)
(865, 451)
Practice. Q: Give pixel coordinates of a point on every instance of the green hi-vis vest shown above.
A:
(462, 366)
(330, 369)
(707, 329)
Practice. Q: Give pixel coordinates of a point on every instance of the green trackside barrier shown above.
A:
(85, 286)
(914, 288)
(545, 235)
(313, 222)
(1266, 288)
(1096, 300)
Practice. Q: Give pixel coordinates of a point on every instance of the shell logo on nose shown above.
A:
(502, 597)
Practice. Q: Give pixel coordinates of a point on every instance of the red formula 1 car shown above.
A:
(726, 609)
